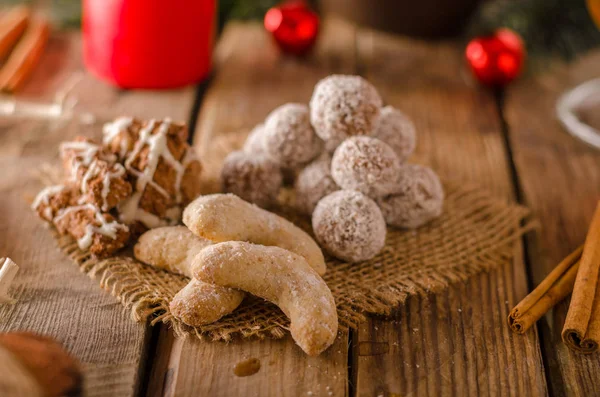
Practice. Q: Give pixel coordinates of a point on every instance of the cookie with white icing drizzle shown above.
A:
(94, 231)
(141, 177)
(100, 179)
(50, 200)
(119, 136)
(166, 175)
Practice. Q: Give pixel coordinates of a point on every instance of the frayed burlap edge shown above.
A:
(475, 233)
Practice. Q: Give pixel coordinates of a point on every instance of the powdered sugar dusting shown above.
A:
(367, 165)
(313, 183)
(281, 277)
(254, 141)
(417, 199)
(254, 178)
(288, 137)
(342, 106)
(398, 131)
(349, 225)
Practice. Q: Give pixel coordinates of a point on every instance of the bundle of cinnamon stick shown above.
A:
(23, 38)
(577, 274)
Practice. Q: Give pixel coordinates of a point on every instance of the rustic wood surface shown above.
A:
(53, 297)
(250, 68)
(560, 180)
(453, 343)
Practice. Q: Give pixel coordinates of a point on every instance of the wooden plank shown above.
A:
(207, 369)
(53, 297)
(560, 181)
(455, 342)
(252, 79)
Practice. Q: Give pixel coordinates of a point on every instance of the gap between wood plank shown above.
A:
(499, 97)
(352, 369)
(153, 339)
(201, 90)
(147, 360)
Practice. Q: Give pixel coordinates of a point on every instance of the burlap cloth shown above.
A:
(476, 232)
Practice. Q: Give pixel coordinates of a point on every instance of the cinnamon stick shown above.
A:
(582, 327)
(554, 288)
(25, 56)
(12, 26)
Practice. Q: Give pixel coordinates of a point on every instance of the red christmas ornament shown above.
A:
(294, 27)
(498, 59)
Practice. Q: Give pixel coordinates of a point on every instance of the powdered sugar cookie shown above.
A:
(349, 225)
(313, 183)
(343, 106)
(398, 131)
(417, 199)
(226, 217)
(367, 165)
(279, 276)
(288, 137)
(174, 249)
(253, 177)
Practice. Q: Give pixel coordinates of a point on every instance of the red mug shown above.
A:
(148, 43)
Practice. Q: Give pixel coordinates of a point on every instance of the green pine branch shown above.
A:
(549, 28)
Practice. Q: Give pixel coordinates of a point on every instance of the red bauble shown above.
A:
(294, 27)
(498, 59)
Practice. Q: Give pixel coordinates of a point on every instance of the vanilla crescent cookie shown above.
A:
(173, 248)
(226, 217)
(279, 276)
(200, 303)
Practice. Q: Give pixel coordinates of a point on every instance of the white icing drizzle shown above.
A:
(157, 149)
(43, 197)
(111, 130)
(150, 220)
(107, 229)
(181, 167)
(85, 152)
(92, 171)
(87, 158)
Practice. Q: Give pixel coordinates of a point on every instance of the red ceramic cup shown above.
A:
(148, 43)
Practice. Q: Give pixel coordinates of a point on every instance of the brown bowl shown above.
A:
(422, 18)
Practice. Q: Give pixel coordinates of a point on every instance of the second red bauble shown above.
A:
(294, 27)
(497, 59)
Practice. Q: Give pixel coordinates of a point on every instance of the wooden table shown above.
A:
(452, 343)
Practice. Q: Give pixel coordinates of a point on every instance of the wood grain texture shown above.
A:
(455, 342)
(560, 181)
(207, 369)
(252, 79)
(53, 297)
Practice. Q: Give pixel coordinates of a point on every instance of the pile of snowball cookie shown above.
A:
(345, 155)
